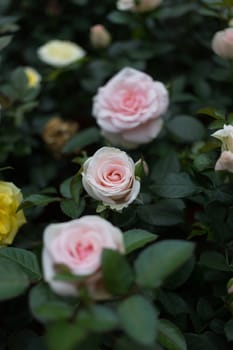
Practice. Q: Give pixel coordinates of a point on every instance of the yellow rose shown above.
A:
(60, 53)
(10, 219)
(34, 78)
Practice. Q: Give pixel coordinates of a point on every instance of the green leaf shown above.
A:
(119, 17)
(166, 212)
(65, 188)
(5, 40)
(175, 186)
(186, 129)
(138, 318)
(64, 335)
(137, 238)
(14, 281)
(199, 342)
(172, 303)
(170, 337)
(82, 139)
(169, 163)
(26, 260)
(181, 275)
(98, 318)
(37, 200)
(228, 329)
(158, 261)
(117, 273)
(46, 306)
(76, 187)
(211, 112)
(71, 208)
(214, 261)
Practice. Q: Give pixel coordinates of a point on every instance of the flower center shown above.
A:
(84, 250)
(114, 176)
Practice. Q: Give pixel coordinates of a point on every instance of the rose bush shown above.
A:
(108, 176)
(78, 245)
(129, 107)
(135, 254)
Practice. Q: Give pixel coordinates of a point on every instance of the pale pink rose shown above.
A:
(108, 176)
(222, 43)
(143, 5)
(225, 162)
(99, 36)
(78, 244)
(129, 107)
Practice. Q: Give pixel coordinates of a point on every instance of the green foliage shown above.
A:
(158, 261)
(170, 337)
(26, 260)
(139, 319)
(137, 238)
(14, 280)
(117, 274)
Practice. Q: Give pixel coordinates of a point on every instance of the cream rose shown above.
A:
(60, 53)
(143, 6)
(108, 176)
(78, 244)
(10, 219)
(222, 43)
(129, 108)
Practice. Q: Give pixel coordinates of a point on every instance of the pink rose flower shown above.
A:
(108, 176)
(225, 161)
(78, 244)
(222, 43)
(129, 107)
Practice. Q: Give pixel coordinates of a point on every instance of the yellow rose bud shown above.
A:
(10, 219)
(34, 78)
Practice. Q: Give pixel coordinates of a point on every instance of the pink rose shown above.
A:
(78, 244)
(222, 43)
(225, 162)
(129, 107)
(99, 36)
(108, 176)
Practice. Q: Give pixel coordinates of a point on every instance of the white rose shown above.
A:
(60, 53)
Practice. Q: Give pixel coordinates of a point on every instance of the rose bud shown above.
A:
(99, 36)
